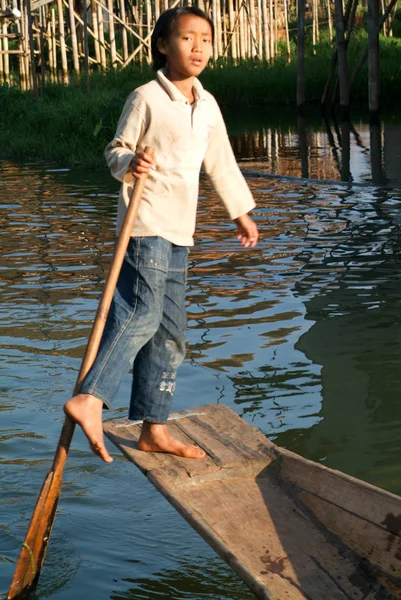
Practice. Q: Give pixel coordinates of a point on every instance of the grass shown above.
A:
(67, 126)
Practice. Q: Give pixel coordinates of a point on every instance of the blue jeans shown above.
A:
(145, 330)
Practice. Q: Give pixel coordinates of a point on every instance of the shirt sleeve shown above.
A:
(221, 166)
(130, 130)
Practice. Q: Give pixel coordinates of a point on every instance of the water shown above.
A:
(300, 336)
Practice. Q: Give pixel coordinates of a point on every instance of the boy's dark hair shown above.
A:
(165, 26)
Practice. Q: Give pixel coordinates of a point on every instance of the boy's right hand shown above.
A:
(141, 163)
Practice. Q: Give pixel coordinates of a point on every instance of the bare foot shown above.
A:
(156, 438)
(86, 410)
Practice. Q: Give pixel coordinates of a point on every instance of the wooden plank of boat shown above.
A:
(289, 527)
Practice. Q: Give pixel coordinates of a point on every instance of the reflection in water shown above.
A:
(324, 150)
(300, 336)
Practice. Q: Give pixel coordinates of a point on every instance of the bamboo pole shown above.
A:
(145, 42)
(287, 31)
(63, 50)
(53, 13)
(105, 44)
(103, 60)
(330, 20)
(112, 34)
(148, 27)
(27, 65)
(383, 8)
(140, 28)
(21, 59)
(214, 19)
(219, 29)
(86, 48)
(252, 30)
(259, 29)
(271, 22)
(42, 44)
(6, 63)
(74, 41)
(35, 90)
(49, 43)
(124, 37)
(265, 27)
(241, 31)
(95, 27)
(301, 56)
(2, 55)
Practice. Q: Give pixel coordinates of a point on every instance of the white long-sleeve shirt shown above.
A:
(157, 114)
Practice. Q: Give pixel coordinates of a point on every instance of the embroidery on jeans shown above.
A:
(168, 375)
(167, 386)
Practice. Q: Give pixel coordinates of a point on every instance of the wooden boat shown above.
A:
(291, 528)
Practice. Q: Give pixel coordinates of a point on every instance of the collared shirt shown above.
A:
(184, 137)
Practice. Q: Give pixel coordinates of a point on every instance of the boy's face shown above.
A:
(188, 48)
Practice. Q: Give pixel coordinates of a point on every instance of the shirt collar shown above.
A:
(173, 90)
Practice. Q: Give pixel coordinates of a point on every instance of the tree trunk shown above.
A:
(373, 58)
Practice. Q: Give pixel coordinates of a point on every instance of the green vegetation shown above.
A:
(67, 126)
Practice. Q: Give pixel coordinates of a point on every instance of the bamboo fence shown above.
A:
(55, 40)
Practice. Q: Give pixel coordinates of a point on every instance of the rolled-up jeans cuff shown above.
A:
(107, 403)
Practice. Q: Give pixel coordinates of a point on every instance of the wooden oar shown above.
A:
(33, 550)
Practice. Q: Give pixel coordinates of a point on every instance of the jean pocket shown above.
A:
(154, 253)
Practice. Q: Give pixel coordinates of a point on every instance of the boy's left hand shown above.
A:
(247, 231)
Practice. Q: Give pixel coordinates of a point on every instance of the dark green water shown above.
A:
(301, 336)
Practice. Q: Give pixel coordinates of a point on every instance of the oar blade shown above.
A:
(34, 548)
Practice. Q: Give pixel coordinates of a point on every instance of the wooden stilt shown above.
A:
(265, 26)
(124, 37)
(301, 56)
(73, 32)
(63, 48)
(103, 61)
(112, 35)
(342, 61)
(35, 90)
(86, 48)
(95, 28)
(54, 43)
(6, 60)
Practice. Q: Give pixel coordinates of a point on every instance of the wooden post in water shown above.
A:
(373, 59)
(301, 56)
(342, 61)
(376, 152)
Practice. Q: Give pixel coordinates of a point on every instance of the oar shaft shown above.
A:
(33, 551)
